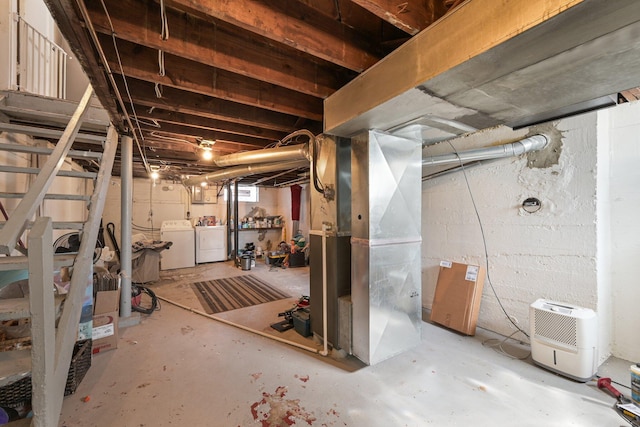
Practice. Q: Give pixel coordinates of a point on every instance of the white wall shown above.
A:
(623, 127)
(168, 201)
(549, 254)
(580, 248)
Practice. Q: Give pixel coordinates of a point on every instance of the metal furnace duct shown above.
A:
(385, 245)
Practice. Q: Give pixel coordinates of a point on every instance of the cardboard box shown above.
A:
(105, 321)
(456, 303)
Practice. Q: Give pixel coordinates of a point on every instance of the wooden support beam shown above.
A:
(216, 44)
(383, 97)
(70, 23)
(143, 93)
(410, 16)
(293, 24)
(43, 332)
(142, 63)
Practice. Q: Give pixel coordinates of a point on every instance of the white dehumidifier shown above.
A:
(564, 339)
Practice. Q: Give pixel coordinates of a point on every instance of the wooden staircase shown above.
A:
(51, 348)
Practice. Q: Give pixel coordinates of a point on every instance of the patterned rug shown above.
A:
(232, 293)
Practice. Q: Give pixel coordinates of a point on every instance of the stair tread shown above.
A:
(18, 308)
(57, 225)
(14, 365)
(21, 262)
(48, 196)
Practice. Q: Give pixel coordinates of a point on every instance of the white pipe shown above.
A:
(324, 290)
(532, 143)
(245, 328)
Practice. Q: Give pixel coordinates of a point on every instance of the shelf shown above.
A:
(258, 229)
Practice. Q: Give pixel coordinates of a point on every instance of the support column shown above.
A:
(236, 220)
(126, 203)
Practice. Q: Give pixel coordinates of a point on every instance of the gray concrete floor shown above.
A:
(178, 368)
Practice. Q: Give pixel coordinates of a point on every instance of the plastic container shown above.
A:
(635, 383)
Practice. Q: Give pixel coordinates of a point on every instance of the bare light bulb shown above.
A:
(207, 154)
(155, 175)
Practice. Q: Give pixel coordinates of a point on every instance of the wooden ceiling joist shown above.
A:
(293, 24)
(144, 93)
(196, 122)
(214, 44)
(410, 16)
(178, 130)
(142, 63)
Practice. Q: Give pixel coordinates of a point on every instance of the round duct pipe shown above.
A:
(532, 143)
(267, 155)
(238, 171)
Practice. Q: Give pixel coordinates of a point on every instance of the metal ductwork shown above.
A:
(532, 143)
(239, 171)
(267, 155)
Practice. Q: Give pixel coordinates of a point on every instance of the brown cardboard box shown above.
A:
(456, 303)
(105, 321)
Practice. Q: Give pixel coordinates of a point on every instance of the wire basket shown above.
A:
(18, 392)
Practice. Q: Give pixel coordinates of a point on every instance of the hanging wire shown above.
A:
(484, 241)
(164, 32)
(161, 70)
(126, 85)
(158, 88)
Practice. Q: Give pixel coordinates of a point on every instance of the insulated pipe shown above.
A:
(236, 172)
(267, 155)
(532, 143)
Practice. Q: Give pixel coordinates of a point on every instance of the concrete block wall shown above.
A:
(581, 247)
(622, 234)
(167, 200)
(548, 254)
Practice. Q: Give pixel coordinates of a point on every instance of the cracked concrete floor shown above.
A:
(180, 369)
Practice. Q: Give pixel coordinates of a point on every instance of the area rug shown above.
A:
(217, 296)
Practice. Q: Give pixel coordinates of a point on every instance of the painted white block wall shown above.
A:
(168, 201)
(622, 124)
(580, 248)
(549, 254)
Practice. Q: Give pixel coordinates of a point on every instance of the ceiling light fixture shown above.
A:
(207, 150)
(154, 173)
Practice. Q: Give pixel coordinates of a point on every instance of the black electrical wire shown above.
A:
(484, 241)
(112, 235)
(316, 184)
(138, 290)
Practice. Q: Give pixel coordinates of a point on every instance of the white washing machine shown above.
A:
(211, 244)
(182, 253)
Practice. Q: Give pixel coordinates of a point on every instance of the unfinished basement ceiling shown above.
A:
(244, 73)
(247, 73)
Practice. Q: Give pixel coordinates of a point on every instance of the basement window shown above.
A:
(246, 193)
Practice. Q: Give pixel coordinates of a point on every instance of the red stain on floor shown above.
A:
(304, 378)
(273, 410)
